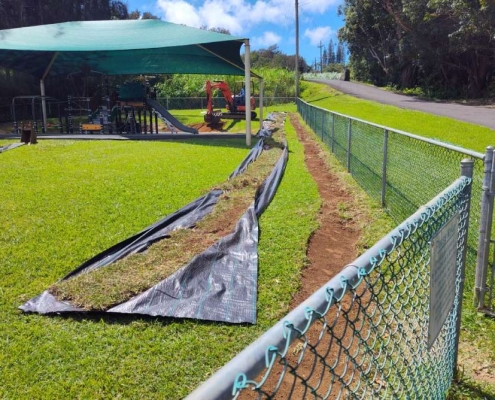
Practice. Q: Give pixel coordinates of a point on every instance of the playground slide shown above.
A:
(170, 118)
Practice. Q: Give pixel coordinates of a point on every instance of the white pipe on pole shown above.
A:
(261, 102)
(247, 90)
(43, 102)
(42, 87)
(297, 48)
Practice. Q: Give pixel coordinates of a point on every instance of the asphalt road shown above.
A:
(480, 115)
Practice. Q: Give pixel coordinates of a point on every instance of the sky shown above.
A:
(263, 22)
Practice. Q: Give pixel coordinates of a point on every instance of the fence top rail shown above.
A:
(445, 145)
(254, 358)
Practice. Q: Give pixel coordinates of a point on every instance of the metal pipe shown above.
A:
(484, 231)
(349, 135)
(247, 90)
(297, 49)
(43, 103)
(384, 166)
(333, 132)
(42, 87)
(467, 167)
(261, 100)
(322, 124)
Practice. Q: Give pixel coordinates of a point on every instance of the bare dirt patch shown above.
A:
(475, 363)
(333, 245)
(207, 128)
(330, 248)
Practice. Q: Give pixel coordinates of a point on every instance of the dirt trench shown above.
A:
(330, 248)
(333, 245)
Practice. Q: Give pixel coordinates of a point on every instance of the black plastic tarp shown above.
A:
(219, 284)
(10, 146)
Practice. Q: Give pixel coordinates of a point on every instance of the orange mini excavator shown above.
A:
(236, 104)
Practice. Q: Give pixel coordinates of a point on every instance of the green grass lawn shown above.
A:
(460, 133)
(64, 201)
(427, 174)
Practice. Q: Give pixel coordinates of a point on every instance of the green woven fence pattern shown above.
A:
(364, 334)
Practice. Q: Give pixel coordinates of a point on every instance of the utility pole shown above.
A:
(297, 48)
(321, 57)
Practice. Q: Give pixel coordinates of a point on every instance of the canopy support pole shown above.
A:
(247, 90)
(42, 89)
(261, 102)
(43, 103)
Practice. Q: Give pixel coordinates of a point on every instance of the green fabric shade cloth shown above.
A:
(119, 48)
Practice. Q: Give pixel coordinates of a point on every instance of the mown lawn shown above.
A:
(64, 201)
(477, 349)
(460, 133)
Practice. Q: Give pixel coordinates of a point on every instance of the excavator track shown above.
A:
(237, 115)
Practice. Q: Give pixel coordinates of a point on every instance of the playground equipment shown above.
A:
(27, 115)
(132, 109)
(235, 104)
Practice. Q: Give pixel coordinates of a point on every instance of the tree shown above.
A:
(331, 52)
(339, 56)
(136, 14)
(215, 29)
(442, 45)
(272, 57)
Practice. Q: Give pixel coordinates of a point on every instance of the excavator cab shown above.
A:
(235, 104)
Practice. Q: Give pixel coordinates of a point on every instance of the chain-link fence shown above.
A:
(398, 169)
(371, 332)
(188, 103)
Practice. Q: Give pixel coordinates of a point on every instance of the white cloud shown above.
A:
(238, 16)
(319, 34)
(180, 12)
(241, 16)
(268, 39)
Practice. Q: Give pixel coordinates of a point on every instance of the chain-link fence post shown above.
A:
(467, 167)
(333, 133)
(487, 197)
(384, 166)
(323, 114)
(349, 135)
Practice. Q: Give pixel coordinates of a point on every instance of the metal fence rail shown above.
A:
(365, 333)
(181, 103)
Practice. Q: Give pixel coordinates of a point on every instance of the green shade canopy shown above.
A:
(119, 48)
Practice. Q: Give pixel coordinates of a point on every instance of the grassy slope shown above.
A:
(442, 128)
(478, 331)
(64, 201)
